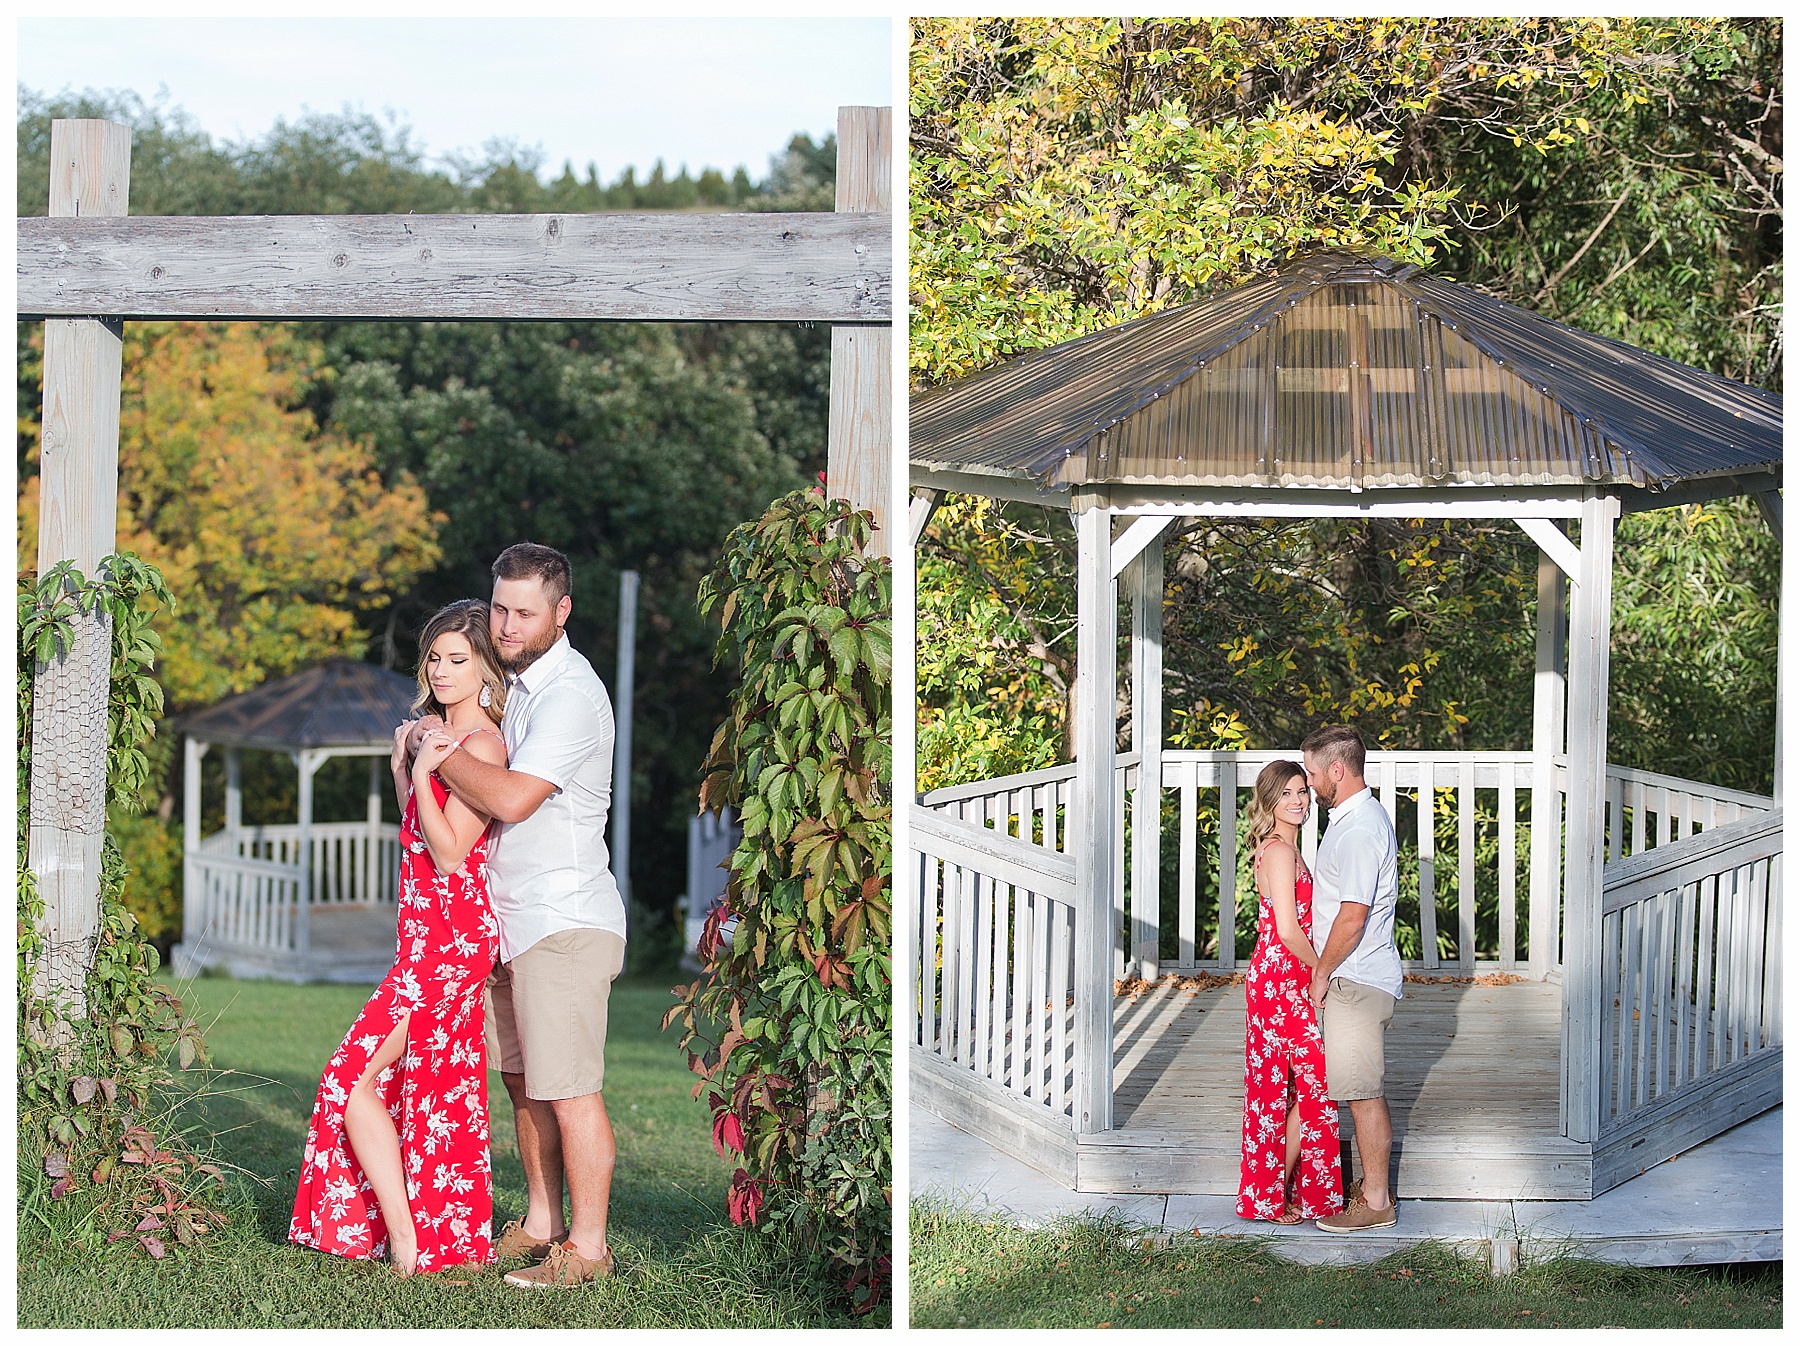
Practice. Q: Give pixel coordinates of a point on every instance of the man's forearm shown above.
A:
(489, 789)
(1346, 933)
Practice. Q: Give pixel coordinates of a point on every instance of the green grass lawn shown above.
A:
(681, 1263)
(1091, 1273)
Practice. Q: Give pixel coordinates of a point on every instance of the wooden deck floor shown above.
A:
(1472, 1083)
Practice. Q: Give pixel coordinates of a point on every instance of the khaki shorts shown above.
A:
(546, 1012)
(1354, 1025)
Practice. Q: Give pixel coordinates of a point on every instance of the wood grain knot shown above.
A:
(424, 254)
(156, 273)
(553, 230)
(341, 261)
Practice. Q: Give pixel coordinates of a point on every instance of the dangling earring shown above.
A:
(487, 696)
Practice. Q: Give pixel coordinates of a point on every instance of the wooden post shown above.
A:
(857, 464)
(1548, 706)
(1095, 708)
(371, 884)
(623, 688)
(1147, 741)
(193, 925)
(306, 762)
(1589, 658)
(90, 174)
(234, 792)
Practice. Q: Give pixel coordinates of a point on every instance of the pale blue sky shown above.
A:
(718, 92)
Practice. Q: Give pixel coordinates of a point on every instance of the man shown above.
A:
(1357, 982)
(562, 921)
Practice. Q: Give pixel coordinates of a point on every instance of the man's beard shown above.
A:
(530, 652)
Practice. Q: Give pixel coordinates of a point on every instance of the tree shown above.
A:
(1069, 174)
(270, 533)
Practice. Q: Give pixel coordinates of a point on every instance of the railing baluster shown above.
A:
(1509, 864)
(1612, 939)
(1428, 944)
(1228, 862)
(1465, 863)
(1187, 840)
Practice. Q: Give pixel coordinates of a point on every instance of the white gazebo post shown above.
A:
(234, 797)
(1590, 624)
(1549, 703)
(860, 415)
(193, 908)
(371, 875)
(1144, 573)
(306, 762)
(1095, 710)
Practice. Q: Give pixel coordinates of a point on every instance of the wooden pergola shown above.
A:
(299, 901)
(1646, 1015)
(89, 267)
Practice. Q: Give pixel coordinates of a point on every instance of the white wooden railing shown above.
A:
(244, 903)
(250, 881)
(1484, 800)
(1690, 963)
(993, 956)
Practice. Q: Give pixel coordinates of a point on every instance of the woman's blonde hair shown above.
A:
(467, 617)
(1270, 782)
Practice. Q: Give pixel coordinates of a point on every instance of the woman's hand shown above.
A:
(437, 745)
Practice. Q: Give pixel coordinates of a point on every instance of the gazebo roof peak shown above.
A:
(341, 703)
(1353, 371)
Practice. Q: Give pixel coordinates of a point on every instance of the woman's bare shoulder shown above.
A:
(486, 745)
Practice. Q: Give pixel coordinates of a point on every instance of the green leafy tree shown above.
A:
(1073, 173)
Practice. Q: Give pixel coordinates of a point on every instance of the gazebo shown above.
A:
(300, 901)
(1626, 1003)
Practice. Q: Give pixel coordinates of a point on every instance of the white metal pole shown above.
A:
(622, 692)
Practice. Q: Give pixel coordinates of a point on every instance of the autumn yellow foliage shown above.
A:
(272, 533)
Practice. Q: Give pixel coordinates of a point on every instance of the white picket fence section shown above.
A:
(1690, 962)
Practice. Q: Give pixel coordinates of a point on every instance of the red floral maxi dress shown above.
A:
(436, 1092)
(1282, 1043)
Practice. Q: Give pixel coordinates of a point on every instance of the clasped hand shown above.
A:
(423, 742)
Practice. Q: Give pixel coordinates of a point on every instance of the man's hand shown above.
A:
(1316, 991)
(425, 724)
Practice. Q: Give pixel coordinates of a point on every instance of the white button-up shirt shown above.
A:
(1357, 863)
(552, 872)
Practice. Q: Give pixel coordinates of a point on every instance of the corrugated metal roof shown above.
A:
(1347, 371)
(341, 703)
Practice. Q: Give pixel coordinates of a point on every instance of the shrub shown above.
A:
(788, 1028)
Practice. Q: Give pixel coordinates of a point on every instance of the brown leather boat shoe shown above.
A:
(563, 1267)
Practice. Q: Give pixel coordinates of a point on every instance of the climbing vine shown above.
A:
(94, 1089)
(788, 1027)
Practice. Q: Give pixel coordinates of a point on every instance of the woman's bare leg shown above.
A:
(377, 1146)
(1293, 1141)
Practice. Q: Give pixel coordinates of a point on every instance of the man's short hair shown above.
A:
(534, 561)
(1336, 743)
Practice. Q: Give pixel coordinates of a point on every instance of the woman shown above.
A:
(1290, 1158)
(423, 1193)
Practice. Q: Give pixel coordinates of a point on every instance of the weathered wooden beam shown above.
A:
(662, 268)
(90, 176)
(858, 464)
